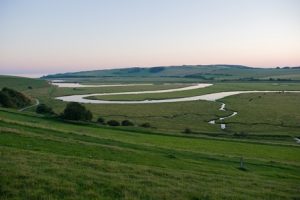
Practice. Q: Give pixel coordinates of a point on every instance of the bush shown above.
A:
(5, 100)
(187, 131)
(44, 109)
(13, 99)
(76, 111)
(113, 123)
(101, 120)
(146, 125)
(127, 123)
(240, 134)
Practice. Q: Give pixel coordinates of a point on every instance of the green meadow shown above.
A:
(42, 158)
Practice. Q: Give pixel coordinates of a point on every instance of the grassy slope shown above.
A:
(21, 84)
(47, 159)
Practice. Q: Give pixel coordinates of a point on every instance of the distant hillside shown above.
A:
(18, 92)
(201, 72)
(21, 83)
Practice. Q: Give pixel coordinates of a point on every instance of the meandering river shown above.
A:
(206, 97)
(60, 83)
(223, 125)
(82, 98)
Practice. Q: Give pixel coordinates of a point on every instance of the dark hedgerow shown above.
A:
(187, 131)
(127, 123)
(44, 109)
(113, 123)
(146, 125)
(101, 120)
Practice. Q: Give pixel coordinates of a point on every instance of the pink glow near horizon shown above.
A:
(51, 36)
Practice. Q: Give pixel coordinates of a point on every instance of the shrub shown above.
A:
(5, 100)
(146, 125)
(44, 109)
(127, 123)
(13, 99)
(113, 123)
(187, 131)
(240, 134)
(101, 120)
(76, 111)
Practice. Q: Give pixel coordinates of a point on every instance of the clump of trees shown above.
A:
(113, 123)
(76, 111)
(101, 120)
(146, 125)
(187, 131)
(127, 123)
(44, 109)
(156, 69)
(10, 98)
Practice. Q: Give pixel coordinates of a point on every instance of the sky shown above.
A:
(51, 36)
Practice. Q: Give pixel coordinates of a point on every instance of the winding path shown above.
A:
(37, 102)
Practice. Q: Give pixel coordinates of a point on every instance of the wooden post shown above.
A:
(241, 163)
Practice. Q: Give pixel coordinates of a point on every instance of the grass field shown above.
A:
(42, 158)
(47, 158)
(255, 119)
(265, 113)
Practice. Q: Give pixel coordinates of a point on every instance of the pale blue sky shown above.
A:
(41, 36)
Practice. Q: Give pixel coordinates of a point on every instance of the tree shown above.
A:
(76, 111)
(187, 131)
(44, 109)
(13, 99)
(101, 120)
(5, 101)
(127, 123)
(146, 125)
(113, 123)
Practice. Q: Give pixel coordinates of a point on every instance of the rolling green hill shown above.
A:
(21, 83)
(44, 158)
(199, 72)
